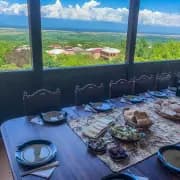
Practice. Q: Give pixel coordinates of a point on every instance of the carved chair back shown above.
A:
(42, 100)
(163, 80)
(177, 78)
(120, 88)
(144, 83)
(89, 93)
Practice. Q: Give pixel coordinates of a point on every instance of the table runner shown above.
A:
(163, 132)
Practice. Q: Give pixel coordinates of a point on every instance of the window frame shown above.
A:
(149, 60)
(134, 6)
(34, 17)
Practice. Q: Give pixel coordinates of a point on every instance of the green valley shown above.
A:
(73, 48)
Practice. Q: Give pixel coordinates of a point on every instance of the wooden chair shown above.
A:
(177, 78)
(120, 88)
(144, 83)
(42, 100)
(89, 93)
(163, 80)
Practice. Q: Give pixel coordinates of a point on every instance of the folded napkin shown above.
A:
(36, 120)
(88, 108)
(44, 173)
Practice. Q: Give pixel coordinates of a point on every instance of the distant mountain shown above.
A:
(62, 24)
(78, 25)
(13, 21)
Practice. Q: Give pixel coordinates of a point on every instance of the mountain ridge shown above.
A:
(79, 25)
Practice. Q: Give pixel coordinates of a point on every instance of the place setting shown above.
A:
(134, 99)
(37, 158)
(49, 118)
(158, 94)
(99, 107)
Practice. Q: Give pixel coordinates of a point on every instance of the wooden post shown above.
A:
(131, 35)
(35, 34)
(34, 10)
(132, 30)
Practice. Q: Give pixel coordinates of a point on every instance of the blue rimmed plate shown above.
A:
(173, 89)
(158, 94)
(124, 176)
(101, 106)
(170, 157)
(134, 99)
(35, 153)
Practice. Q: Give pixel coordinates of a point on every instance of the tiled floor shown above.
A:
(5, 172)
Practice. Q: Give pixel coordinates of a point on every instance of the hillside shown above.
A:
(153, 47)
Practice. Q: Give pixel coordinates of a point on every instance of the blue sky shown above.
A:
(172, 6)
(160, 5)
(164, 13)
(111, 3)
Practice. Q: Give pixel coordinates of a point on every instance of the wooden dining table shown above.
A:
(76, 163)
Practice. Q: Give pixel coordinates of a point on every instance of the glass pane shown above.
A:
(83, 32)
(15, 52)
(158, 31)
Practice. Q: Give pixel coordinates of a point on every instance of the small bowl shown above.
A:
(93, 147)
(54, 117)
(120, 156)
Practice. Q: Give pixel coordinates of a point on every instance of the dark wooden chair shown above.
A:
(177, 78)
(89, 93)
(120, 88)
(42, 100)
(163, 80)
(144, 83)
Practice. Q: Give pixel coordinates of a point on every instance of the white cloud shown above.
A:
(91, 10)
(13, 9)
(149, 17)
(90, 4)
(3, 6)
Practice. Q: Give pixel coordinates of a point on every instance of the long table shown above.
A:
(75, 161)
